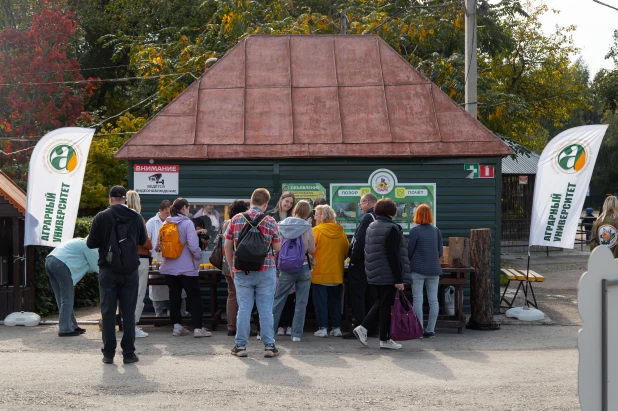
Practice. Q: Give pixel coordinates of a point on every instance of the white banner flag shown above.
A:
(55, 179)
(562, 180)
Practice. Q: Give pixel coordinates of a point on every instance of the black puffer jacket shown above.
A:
(386, 255)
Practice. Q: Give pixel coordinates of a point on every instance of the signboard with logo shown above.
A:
(523, 179)
(55, 178)
(563, 176)
(383, 183)
(305, 191)
(159, 179)
(480, 170)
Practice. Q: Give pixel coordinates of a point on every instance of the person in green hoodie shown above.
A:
(605, 228)
(331, 250)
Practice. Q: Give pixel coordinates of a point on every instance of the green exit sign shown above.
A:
(472, 167)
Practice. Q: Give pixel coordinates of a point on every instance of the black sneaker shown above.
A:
(74, 333)
(348, 336)
(239, 351)
(270, 351)
(108, 360)
(80, 330)
(130, 359)
(428, 335)
(231, 333)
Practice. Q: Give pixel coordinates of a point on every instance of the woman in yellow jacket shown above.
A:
(331, 250)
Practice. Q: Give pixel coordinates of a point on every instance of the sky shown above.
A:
(595, 28)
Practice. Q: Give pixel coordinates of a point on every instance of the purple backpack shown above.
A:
(405, 325)
(291, 256)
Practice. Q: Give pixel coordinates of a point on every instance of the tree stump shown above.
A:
(459, 252)
(481, 295)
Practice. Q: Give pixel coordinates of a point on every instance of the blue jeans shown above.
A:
(64, 291)
(258, 287)
(431, 281)
(302, 280)
(325, 299)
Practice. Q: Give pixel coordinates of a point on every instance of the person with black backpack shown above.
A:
(251, 239)
(116, 232)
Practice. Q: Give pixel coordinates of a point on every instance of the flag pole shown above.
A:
(527, 279)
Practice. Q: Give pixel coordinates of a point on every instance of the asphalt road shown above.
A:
(520, 367)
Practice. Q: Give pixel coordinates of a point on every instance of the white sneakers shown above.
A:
(390, 345)
(180, 332)
(335, 332)
(295, 339)
(201, 332)
(361, 333)
(139, 333)
(322, 333)
(284, 331)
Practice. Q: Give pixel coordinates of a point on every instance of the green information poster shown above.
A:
(305, 191)
(345, 199)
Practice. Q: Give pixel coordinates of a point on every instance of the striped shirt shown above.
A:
(268, 227)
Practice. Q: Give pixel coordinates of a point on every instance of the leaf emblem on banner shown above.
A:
(572, 158)
(63, 158)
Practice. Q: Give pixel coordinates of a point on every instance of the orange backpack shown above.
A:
(169, 241)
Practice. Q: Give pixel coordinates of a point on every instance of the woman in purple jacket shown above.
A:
(183, 272)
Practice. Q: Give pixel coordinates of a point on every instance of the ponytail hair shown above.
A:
(177, 206)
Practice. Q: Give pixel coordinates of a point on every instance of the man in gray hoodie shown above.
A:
(292, 228)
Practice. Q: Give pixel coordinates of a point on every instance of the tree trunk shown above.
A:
(459, 252)
(481, 298)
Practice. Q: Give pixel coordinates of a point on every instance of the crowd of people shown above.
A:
(272, 261)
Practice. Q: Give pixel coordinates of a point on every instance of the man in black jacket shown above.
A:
(115, 287)
(360, 296)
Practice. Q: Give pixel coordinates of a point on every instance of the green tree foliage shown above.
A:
(605, 91)
(527, 85)
(103, 171)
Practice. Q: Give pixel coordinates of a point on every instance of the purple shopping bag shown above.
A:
(404, 322)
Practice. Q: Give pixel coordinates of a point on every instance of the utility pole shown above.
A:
(470, 61)
(344, 21)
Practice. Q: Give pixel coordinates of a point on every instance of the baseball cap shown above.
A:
(118, 192)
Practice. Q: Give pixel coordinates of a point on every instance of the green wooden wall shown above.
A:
(461, 204)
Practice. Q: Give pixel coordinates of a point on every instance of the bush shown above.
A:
(86, 291)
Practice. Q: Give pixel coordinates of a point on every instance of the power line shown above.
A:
(94, 80)
(101, 122)
(26, 139)
(63, 71)
(606, 5)
(143, 101)
(15, 152)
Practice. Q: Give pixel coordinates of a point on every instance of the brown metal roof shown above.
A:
(312, 96)
(12, 193)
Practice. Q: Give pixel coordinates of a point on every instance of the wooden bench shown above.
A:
(520, 276)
